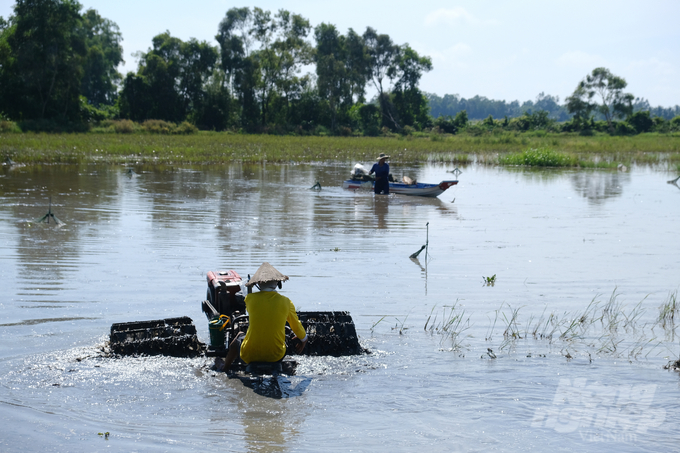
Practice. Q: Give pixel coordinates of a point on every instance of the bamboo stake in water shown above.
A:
(424, 247)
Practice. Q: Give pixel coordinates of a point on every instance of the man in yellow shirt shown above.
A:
(268, 312)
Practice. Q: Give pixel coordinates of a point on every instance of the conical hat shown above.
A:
(266, 273)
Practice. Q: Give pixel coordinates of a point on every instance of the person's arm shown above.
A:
(298, 329)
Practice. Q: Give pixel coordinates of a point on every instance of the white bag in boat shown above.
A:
(359, 170)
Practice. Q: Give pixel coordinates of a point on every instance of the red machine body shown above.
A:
(225, 293)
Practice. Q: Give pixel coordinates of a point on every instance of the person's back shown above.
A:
(265, 340)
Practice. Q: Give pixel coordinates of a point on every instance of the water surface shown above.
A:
(137, 246)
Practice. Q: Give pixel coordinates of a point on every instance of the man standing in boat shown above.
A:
(268, 311)
(382, 175)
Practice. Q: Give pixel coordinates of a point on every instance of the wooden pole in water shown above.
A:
(424, 247)
(427, 239)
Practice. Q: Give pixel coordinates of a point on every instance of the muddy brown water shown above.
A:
(506, 366)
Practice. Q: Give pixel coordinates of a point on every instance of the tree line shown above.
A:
(268, 73)
(59, 65)
(598, 104)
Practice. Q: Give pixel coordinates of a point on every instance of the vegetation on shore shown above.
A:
(272, 73)
(505, 148)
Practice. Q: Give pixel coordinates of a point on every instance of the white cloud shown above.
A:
(579, 60)
(454, 56)
(450, 16)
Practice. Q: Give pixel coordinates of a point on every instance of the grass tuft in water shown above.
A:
(601, 329)
(539, 157)
(668, 311)
(452, 325)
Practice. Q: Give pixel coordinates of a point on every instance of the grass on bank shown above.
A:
(223, 147)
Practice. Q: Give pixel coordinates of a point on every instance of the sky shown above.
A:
(506, 50)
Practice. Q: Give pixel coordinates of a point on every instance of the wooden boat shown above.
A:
(418, 189)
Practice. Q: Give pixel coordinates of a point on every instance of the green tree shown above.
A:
(580, 106)
(169, 83)
(104, 55)
(196, 64)
(357, 64)
(603, 86)
(241, 69)
(641, 121)
(333, 79)
(294, 52)
(382, 53)
(216, 111)
(262, 55)
(410, 103)
(42, 61)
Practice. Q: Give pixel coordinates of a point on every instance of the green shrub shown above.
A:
(660, 125)
(675, 124)
(344, 131)
(538, 157)
(93, 115)
(321, 130)
(489, 122)
(9, 126)
(446, 123)
(623, 128)
(123, 126)
(185, 128)
(158, 127)
(641, 121)
(372, 131)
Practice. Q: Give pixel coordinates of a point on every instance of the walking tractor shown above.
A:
(330, 333)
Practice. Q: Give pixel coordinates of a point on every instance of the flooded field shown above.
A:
(539, 319)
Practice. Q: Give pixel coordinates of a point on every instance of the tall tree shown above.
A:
(41, 77)
(333, 80)
(169, 83)
(383, 54)
(358, 64)
(241, 70)
(580, 105)
(262, 55)
(104, 54)
(410, 103)
(294, 52)
(606, 87)
(264, 30)
(197, 61)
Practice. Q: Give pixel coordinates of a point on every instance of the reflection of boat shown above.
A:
(419, 189)
(360, 179)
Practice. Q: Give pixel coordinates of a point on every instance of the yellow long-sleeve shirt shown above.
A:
(265, 340)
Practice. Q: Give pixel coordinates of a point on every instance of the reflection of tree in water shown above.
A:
(597, 187)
